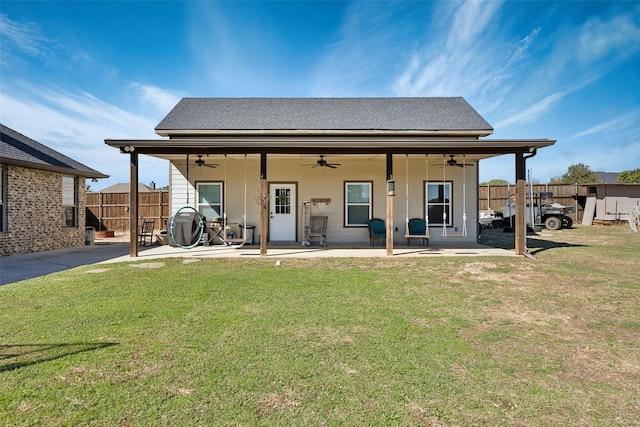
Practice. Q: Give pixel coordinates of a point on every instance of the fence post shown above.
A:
(577, 204)
(100, 212)
(159, 195)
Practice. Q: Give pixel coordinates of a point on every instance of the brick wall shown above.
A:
(34, 212)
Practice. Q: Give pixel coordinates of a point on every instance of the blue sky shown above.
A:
(75, 73)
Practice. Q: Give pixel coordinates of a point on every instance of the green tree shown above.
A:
(629, 177)
(577, 174)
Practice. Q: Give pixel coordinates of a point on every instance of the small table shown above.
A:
(215, 233)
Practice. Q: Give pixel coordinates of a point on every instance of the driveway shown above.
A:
(21, 267)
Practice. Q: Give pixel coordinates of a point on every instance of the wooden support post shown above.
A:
(390, 195)
(389, 225)
(133, 206)
(520, 225)
(264, 204)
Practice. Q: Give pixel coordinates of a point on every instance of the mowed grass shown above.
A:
(419, 341)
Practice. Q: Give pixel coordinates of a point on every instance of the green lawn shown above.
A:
(413, 341)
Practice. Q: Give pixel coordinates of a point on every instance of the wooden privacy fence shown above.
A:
(496, 196)
(110, 211)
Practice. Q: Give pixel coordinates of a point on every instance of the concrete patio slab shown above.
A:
(295, 251)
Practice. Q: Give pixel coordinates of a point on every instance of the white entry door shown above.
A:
(282, 212)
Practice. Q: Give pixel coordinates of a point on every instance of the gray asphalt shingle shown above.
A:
(18, 148)
(426, 114)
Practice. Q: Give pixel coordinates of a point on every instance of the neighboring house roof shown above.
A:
(123, 187)
(441, 115)
(20, 150)
(607, 177)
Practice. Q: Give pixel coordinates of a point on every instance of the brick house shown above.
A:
(42, 206)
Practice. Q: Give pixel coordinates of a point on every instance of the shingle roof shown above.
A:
(18, 149)
(322, 114)
(607, 177)
(124, 187)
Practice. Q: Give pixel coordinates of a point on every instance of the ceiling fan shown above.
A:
(323, 163)
(200, 162)
(454, 162)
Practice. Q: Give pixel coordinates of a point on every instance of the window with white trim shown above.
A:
(358, 206)
(438, 198)
(210, 199)
(69, 201)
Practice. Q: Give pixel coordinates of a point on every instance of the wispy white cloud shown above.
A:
(516, 80)
(470, 20)
(463, 58)
(70, 120)
(624, 121)
(155, 98)
(546, 104)
(522, 47)
(597, 45)
(533, 112)
(76, 124)
(22, 39)
(600, 37)
(371, 43)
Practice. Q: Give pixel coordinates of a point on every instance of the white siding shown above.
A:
(328, 183)
(179, 187)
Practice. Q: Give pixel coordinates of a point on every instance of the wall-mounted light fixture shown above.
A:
(391, 187)
(127, 149)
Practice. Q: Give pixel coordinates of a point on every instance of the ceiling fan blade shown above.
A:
(322, 163)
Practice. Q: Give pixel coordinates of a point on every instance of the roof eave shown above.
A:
(185, 133)
(336, 144)
(51, 168)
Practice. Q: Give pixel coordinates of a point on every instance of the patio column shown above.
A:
(264, 204)
(520, 225)
(133, 204)
(390, 194)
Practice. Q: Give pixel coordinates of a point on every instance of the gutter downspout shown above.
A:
(526, 249)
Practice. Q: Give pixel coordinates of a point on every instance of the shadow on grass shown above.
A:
(506, 240)
(14, 356)
(536, 246)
